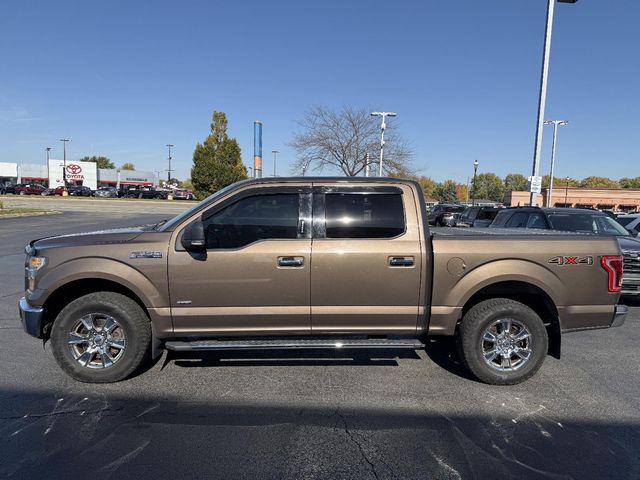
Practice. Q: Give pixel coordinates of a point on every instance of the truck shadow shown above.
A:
(286, 358)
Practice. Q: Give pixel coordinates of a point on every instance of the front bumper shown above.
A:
(31, 318)
(619, 315)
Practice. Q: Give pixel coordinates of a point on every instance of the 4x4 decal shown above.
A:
(561, 260)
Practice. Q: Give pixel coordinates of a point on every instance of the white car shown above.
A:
(631, 222)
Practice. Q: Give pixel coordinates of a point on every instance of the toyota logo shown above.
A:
(74, 169)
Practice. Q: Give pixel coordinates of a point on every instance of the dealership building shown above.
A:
(56, 172)
(616, 199)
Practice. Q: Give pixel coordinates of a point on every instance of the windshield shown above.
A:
(586, 223)
(187, 213)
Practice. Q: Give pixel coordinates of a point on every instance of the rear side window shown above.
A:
(364, 215)
(487, 214)
(536, 220)
(501, 218)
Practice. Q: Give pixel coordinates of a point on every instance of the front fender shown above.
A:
(107, 269)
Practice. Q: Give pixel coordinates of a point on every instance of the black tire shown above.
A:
(473, 348)
(135, 326)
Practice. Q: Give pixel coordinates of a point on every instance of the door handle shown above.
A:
(401, 261)
(290, 261)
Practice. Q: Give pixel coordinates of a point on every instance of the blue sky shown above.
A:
(123, 79)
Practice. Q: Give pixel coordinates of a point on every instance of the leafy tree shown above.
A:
(340, 140)
(630, 182)
(217, 161)
(186, 184)
(462, 192)
(563, 182)
(599, 182)
(446, 192)
(488, 186)
(128, 166)
(101, 162)
(515, 182)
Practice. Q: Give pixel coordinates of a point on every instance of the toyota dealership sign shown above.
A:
(77, 173)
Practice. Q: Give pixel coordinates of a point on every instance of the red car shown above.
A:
(30, 189)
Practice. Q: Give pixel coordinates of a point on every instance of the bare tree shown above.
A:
(341, 140)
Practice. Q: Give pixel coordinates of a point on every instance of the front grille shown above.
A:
(631, 262)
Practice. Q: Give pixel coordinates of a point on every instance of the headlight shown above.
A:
(33, 265)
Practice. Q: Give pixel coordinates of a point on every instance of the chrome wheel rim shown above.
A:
(97, 341)
(506, 345)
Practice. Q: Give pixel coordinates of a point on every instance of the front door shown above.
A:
(255, 274)
(366, 269)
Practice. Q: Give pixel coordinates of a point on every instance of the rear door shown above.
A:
(366, 267)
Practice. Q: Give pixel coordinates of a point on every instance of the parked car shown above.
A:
(183, 194)
(631, 222)
(107, 192)
(79, 191)
(340, 263)
(443, 214)
(9, 188)
(144, 192)
(476, 217)
(30, 189)
(581, 221)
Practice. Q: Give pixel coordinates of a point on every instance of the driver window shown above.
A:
(254, 218)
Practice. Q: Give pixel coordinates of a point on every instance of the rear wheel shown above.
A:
(101, 337)
(502, 342)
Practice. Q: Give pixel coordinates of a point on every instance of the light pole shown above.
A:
(250, 172)
(366, 164)
(275, 160)
(542, 98)
(170, 146)
(64, 161)
(383, 126)
(556, 124)
(566, 190)
(475, 172)
(48, 149)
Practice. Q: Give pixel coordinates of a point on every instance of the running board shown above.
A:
(291, 344)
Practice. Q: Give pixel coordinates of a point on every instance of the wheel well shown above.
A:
(530, 295)
(76, 289)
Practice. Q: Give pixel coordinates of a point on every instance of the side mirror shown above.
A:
(193, 237)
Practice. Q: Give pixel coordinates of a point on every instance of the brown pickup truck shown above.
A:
(314, 263)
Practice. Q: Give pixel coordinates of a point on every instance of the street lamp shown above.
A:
(542, 98)
(170, 146)
(556, 124)
(383, 126)
(48, 149)
(64, 161)
(475, 172)
(275, 160)
(566, 190)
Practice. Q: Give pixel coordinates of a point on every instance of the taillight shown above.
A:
(614, 265)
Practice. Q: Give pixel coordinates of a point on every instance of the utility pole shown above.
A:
(64, 161)
(556, 124)
(170, 146)
(275, 160)
(542, 98)
(383, 126)
(475, 171)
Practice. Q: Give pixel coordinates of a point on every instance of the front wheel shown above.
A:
(101, 337)
(502, 342)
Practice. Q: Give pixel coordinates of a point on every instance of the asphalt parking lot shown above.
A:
(306, 415)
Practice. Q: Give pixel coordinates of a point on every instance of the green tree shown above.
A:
(446, 192)
(488, 186)
(630, 182)
(563, 182)
(101, 162)
(515, 182)
(128, 166)
(599, 182)
(217, 161)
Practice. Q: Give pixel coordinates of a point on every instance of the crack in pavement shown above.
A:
(372, 467)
